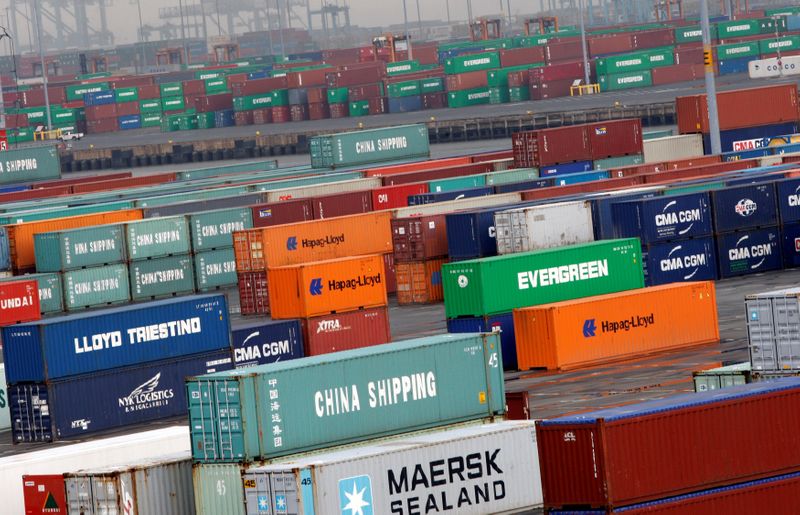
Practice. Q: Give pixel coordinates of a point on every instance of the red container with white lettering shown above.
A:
(346, 331)
(44, 494)
(19, 302)
(391, 197)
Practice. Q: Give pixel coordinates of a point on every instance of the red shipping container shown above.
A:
(298, 113)
(210, 103)
(354, 77)
(497, 155)
(540, 90)
(551, 146)
(741, 108)
(517, 406)
(616, 138)
(280, 114)
(437, 173)
(243, 118)
(610, 44)
(584, 187)
(391, 197)
(49, 192)
(115, 184)
(253, 87)
(236, 78)
(317, 95)
(677, 164)
(437, 72)
(342, 204)
(436, 100)
(44, 494)
(378, 105)
(14, 121)
(19, 302)
(149, 92)
(339, 110)
(391, 272)
(419, 238)
(101, 126)
(306, 78)
(194, 88)
(127, 109)
(279, 213)
(318, 111)
(564, 50)
(518, 79)
(253, 293)
(262, 116)
(627, 171)
(364, 92)
(346, 331)
(100, 112)
(426, 53)
(708, 170)
(131, 82)
(677, 73)
(469, 80)
(520, 56)
(653, 38)
(83, 180)
(560, 71)
(420, 282)
(671, 446)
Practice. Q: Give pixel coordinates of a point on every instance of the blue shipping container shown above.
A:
(502, 323)
(603, 218)
(744, 207)
(575, 178)
(735, 65)
(99, 98)
(14, 188)
(791, 245)
(5, 253)
(524, 186)
(44, 412)
(746, 154)
(133, 121)
(89, 342)
(441, 196)
(471, 234)
(266, 342)
(680, 261)
(752, 252)
(405, 104)
(576, 167)
(788, 193)
(663, 218)
(743, 137)
(224, 118)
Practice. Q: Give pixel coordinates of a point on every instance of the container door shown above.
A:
(227, 407)
(502, 226)
(79, 495)
(44, 494)
(201, 417)
(786, 320)
(30, 413)
(760, 333)
(106, 498)
(520, 237)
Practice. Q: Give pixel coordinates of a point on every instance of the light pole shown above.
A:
(44, 65)
(419, 20)
(583, 47)
(269, 30)
(183, 32)
(405, 26)
(280, 27)
(141, 34)
(469, 11)
(711, 85)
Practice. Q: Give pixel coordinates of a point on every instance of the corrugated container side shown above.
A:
(214, 229)
(316, 190)
(79, 248)
(672, 147)
(542, 227)
(682, 260)
(162, 277)
(454, 205)
(215, 269)
(266, 342)
(96, 286)
(277, 213)
(157, 237)
(502, 324)
(346, 331)
(420, 282)
(19, 302)
(663, 218)
(51, 298)
(5, 416)
(218, 489)
(744, 207)
(419, 238)
(342, 204)
(253, 293)
(749, 252)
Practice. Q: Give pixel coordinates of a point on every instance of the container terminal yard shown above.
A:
(538, 262)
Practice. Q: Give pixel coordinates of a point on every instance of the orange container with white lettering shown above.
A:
(20, 236)
(606, 328)
(324, 287)
(314, 240)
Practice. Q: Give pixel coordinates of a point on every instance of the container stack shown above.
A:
(420, 250)
(772, 330)
(212, 243)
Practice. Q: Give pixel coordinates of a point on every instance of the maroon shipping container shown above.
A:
(540, 90)
(19, 302)
(706, 170)
(436, 100)
(14, 121)
(653, 39)
(280, 114)
(317, 95)
(616, 138)
(339, 110)
(391, 197)
(127, 109)
(306, 78)
(129, 182)
(149, 92)
(568, 49)
(378, 105)
(243, 118)
(419, 238)
(671, 446)
(551, 146)
(253, 87)
(740, 108)
(262, 116)
(677, 73)
(426, 53)
(342, 204)
(211, 103)
(610, 44)
(354, 77)
(391, 273)
(423, 74)
(48, 192)
(298, 112)
(83, 180)
(100, 112)
(131, 82)
(236, 78)
(520, 56)
(253, 293)
(346, 331)
(42, 492)
(286, 212)
(101, 126)
(194, 88)
(517, 406)
(318, 111)
(469, 80)
(559, 71)
(364, 92)
(518, 79)
(439, 173)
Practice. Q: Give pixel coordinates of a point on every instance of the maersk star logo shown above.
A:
(280, 503)
(263, 504)
(355, 495)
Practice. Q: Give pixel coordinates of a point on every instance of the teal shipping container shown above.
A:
(215, 269)
(312, 403)
(96, 286)
(79, 248)
(457, 183)
(161, 277)
(156, 237)
(369, 146)
(214, 229)
(51, 296)
(511, 176)
(30, 164)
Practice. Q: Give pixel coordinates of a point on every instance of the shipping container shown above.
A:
(566, 169)
(157, 237)
(744, 207)
(499, 284)
(551, 146)
(345, 397)
(420, 282)
(5, 417)
(284, 212)
(659, 150)
(79, 248)
(616, 326)
(96, 286)
(214, 229)
(615, 138)
(346, 331)
(681, 260)
(44, 412)
(502, 324)
(261, 343)
(432, 198)
(390, 197)
(419, 238)
(84, 343)
(663, 218)
(323, 287)
(690, 460)
(455, 205)
(19, 301)
(722, 377)
(215, 269)
(342, 204)
(253, 293)
(471, 234)
(749, 252)
(543, 227)
(791, 245)
(162, 277)
(315, 186)
(369, 146)
(773, 329)
(51, 298)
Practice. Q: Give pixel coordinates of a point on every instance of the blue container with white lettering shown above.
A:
(534, 184)
(560, 169)
(680, 261)
(790, 233)
(749, 252)
(576, 178)
(442, 196)
(72, 345)
(603, 218)
(735, 65)
(266, 342)
(131, 121)
(788, 193)
(90, 403)
(743, 139)
(502, 324)
(663, 218)
(99, 98)
(744, 207)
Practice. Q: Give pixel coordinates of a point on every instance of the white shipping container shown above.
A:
(153, 486)
(763, 68)
(319, 189)
(543, 227)
(660, 150)
(104, 452)
(475, 470)
(449, 206)
(5, 415)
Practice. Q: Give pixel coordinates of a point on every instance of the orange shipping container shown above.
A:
(335, 286)
(420, 282)
(593, 330)
(20, 236)
(314, 240)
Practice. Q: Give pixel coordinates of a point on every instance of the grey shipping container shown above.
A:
(773, 330)
(198, 206)
(722, 377)
(51, 294)
(215, 269)
(96, 286)
(60, 251)
(158, 486)
(162, 277)
(157, 237)
(214, 229)
(542, 227)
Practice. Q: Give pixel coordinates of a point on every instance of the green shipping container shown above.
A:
(29, 164)
(173, 104)
(126, 95)
(162, 277)
(369, 146)
(79, 248)
(616, 162)
(498, 95)
(51, 296)
(784, 44)
(625, 81)
(634, 62)
(96, 286)
(62, 116)
(737, 50)
(205, 120)
(358, 108)
(76, 91)
(695, 188)
(518, 94)
(472, 63)
(21, 135)
(150, 106)
(768, 25)
(215, 269)
(501, 284)
(206, 75)
(157, 237)
(738, 28)
(511, 176)
(432, 85)
(692, 33)
(214, 229)
(345, 397)
(151, 119)
(782, 11)
(215, 86)
(171, 89)
(163, 200)
(337, 95)
(187, 122)
(228, 499)
(401, 67)
(47, 213)
(457, 183)
(407, 88)
(468, 97)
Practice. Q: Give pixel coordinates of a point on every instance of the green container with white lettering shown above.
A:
(96, 286)
(173, 103)
(337, 95)
(51, 296)
(407, 88)
(468, 97)
(29, 164)
(215, 269)
(151, 119)
(370, 146)
(157, 237)
(76, 91)
(620, 81)
(784, 44)
(126, 95)
(511, 176)
(358, 108)
(171, 89)
(738, 28)
(401, 67)
(306, 404)
(519, 94)
(214, 229)
(72, 249)
(432, 85)
(472, 63)
(150, 106)
(162, 277)
(500, 284)
(737, 50)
